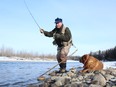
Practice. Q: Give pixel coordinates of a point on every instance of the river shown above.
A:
(21, 74)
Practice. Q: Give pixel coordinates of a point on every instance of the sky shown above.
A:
(91, 22)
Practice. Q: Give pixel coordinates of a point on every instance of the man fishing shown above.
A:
(63, 39)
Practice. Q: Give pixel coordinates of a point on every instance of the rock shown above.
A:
(88, 75)
(52, 73)
(99, 79)
(70, 74)
(73, 70)
(67, 80)
(53, 85)
(102, 72)
(74, 80)
(68, 85)
(80, 77)
(111, 71)
(54, 78)
(93, 85)
(113, 79)
(74, 85)
(88, 81)
(58, 83)
(110, 84)
(108, 77)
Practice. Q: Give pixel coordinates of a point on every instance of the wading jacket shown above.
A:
(59, 36)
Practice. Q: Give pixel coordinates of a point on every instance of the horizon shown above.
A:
(92, 24)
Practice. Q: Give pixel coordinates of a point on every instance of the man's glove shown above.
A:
(57, 36)
(54, 42)
(42, 30)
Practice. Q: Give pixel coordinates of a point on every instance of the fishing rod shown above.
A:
(31, 14)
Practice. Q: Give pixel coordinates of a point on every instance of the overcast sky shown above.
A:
(92, 23)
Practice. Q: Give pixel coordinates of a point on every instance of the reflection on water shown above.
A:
(20, 74)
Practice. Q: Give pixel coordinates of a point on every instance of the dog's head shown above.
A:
(84, 58)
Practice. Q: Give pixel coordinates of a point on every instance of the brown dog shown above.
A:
(90, 63)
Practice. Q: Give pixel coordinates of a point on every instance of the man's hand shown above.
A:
(41, 30)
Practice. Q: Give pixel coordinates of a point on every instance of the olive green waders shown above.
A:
(62, 53)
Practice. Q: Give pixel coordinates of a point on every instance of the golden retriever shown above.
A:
(90, 63)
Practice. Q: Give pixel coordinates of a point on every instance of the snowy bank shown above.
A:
(19, 59)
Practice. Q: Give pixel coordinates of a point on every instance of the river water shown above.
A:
(21, 74)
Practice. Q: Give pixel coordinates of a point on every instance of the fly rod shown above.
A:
(31, 14)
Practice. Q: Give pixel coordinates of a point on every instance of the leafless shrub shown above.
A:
(9, 52)
(6, 52)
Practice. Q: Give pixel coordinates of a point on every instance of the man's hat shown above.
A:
(57, 20)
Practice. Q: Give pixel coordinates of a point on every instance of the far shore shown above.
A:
(17, 59)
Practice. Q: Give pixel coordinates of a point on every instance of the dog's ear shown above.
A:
(80, 60)
(84, 58)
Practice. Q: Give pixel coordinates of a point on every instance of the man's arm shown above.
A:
(48, 34)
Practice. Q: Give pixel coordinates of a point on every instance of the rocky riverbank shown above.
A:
(74, 78)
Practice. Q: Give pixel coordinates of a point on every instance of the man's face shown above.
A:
(58, 25)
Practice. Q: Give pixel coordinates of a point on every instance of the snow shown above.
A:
(32, 60)
(107, 64)
(6, 59)
(20, 59)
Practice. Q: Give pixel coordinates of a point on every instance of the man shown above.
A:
(63, 39)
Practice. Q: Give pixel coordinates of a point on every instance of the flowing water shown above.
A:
(21, 74)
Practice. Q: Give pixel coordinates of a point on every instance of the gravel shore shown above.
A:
(74, 78)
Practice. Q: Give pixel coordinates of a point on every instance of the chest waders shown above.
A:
(63, 51)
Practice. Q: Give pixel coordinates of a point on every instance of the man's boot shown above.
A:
(63, 67)
(63, 70)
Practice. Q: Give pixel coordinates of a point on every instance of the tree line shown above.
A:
(107, 55)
